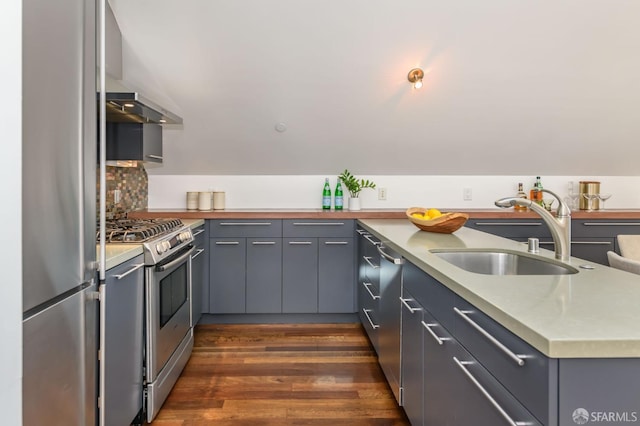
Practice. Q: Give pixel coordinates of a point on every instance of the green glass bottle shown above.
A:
(338, 197)
(326, 195)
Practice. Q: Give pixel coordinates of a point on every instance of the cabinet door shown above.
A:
(227, 283)
(412, 356)
(264, 275)
(336, 281)
(300, 275)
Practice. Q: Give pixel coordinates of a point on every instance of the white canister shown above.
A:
(218, 200)
(192, 201)
(204, 201)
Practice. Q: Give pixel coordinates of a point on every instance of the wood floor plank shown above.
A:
(281, 374)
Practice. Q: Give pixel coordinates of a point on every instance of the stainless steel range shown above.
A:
(167, 246)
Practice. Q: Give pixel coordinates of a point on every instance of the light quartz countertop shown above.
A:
(120, 253)
(592, 314)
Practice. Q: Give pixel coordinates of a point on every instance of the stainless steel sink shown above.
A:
(502, 262)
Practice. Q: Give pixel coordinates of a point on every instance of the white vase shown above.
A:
(354, 203)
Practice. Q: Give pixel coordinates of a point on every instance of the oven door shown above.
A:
(168, 309)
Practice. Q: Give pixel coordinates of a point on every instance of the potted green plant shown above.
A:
(354, 186)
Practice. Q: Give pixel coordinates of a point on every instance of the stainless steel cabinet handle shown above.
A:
(412, 310)
(367, 285)
(463, 314)
(198, 232)
(371, 240)
(395, 261)
(361, 231)
(366, 313)
(155, 157)
(245, 223)
(198, 253)
(318, 223)
(508, 224)
(336, 243)
(612, 224)
(133, 269)
(487, 395)
(439, 340)
(368, 260)
(584, 243)
(300, 243)
(227, 243)
(263, 243)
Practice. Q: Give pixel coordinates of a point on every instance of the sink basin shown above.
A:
(503, 262)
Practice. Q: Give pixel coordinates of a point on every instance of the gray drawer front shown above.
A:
(511, 228)
(239, 228)
(318, 228)
(530, 382)
(604, 228)
(429, 293)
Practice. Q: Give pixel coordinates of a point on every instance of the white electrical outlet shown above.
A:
(116, 196)
(467, 194)
(382, 194)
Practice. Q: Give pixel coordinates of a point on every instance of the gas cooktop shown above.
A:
(139, 230)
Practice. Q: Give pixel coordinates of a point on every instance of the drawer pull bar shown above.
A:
(508, 224)
(584, 243)
(134, 268)
(245, 223)
(227, 243)
(198, 253)
(318, 223)
(612, 224)
(361, 231)
(463, 314)
(198, 232)
(439, 340)
(487, 395)
(371, 240)
(299, 243)
(395, 261)
(336, 243)
(263, 243)
(366, 313)
(367, 285)
(411, 310)
(368, 260)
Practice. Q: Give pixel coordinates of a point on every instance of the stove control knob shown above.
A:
(186, 235)
(160, 248)
(181, 237)
(167, 245)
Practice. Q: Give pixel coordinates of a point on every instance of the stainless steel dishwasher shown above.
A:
(390, 310)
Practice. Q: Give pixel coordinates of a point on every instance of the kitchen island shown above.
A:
(506, 349)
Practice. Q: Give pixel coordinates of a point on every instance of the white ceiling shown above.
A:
(527, 87)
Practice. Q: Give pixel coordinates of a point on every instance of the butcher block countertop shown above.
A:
(364, 214)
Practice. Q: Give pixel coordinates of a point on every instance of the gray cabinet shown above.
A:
(264, 275)
(473, 370)
(590, 239)
(134, 141)
(199, 272)
(318, 266)
(300, 275)
(122, 342)
(245, 266)
(368, 284)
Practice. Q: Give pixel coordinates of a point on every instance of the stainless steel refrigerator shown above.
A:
(59, 219)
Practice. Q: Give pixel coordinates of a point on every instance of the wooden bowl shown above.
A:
(445, 224)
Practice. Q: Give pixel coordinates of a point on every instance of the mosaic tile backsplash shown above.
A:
(133, 184)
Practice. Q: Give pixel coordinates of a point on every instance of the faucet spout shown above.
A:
(559, 225)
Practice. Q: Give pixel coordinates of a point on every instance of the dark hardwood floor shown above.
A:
(275, 374)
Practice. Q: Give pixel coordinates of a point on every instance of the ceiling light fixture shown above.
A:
(415, 76)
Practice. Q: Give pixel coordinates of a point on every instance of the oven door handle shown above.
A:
(182, 258)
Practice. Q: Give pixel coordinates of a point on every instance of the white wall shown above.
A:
(11, 213)
(525, 87)
(305, 191)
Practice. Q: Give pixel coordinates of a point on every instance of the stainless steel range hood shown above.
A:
(131, 107)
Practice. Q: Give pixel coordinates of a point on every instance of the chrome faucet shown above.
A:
(560, 225)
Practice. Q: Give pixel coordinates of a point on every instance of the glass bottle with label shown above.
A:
(521, 194)
(535, 194)
(326, 195)
(338, 197)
